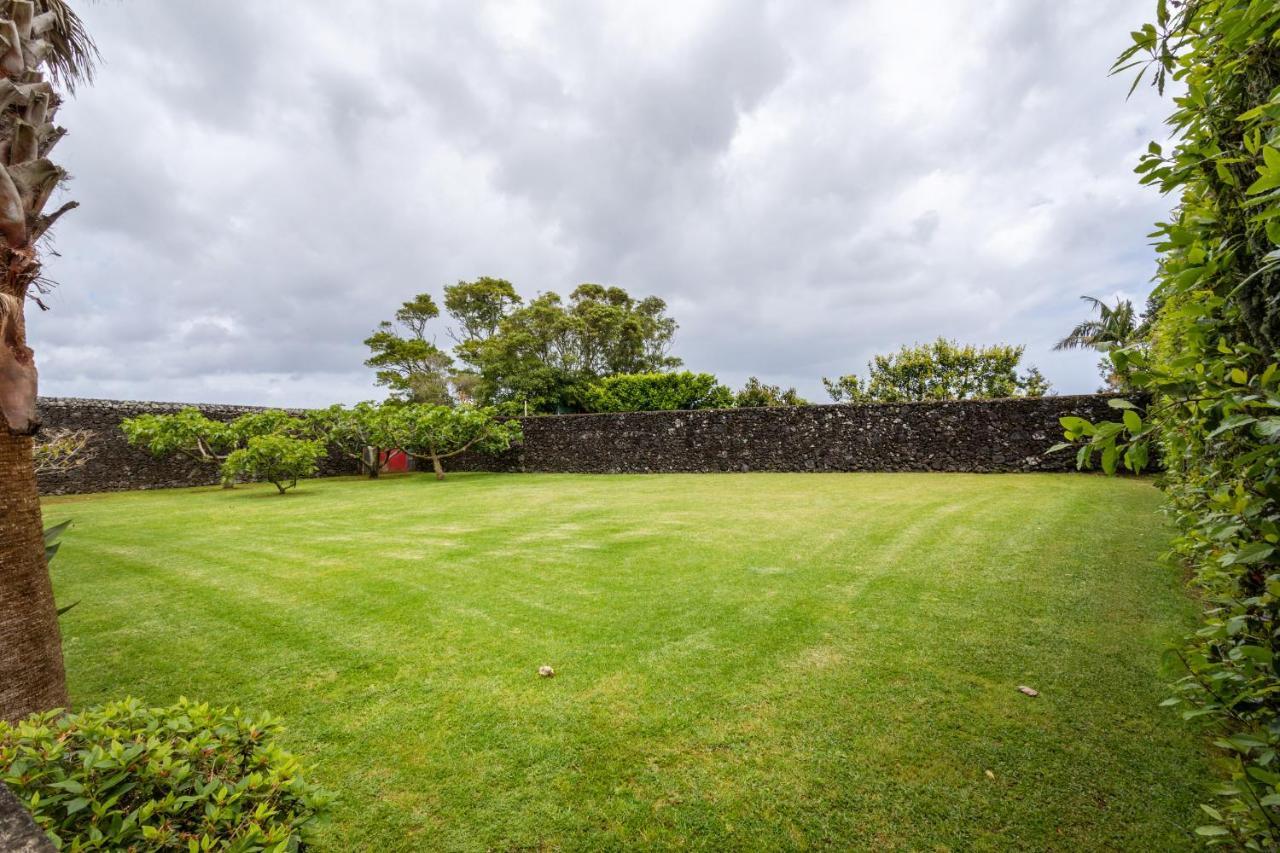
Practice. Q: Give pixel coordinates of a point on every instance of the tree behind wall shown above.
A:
(38, 39)
(546, 353)
(942, 370)
(406, 361)
(1116, 327)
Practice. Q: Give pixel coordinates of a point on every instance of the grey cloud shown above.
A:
(806, 184)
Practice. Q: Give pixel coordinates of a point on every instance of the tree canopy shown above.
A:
(941, 370)
(756, 394)
(542, 354)
(437, 433)
(279, 459)
(649, 392)
(412, 366)
(1115, 327)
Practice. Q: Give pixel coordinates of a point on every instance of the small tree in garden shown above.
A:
(942, 370)
(651, 392)
(189, 433)
(268, 422)
(185, 433)
(360, 432)
(439, 432)
(279, 459)
(61, 450)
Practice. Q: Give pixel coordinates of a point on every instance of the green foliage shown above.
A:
(479, 307)
(1116, 327)
(188, 777)
(438, 432)
(756, 394)
(279, 459)
(651, 392)
(942, 370)
(185, 433)
(413, 367)
(1210, 367)
(543, 355)
(360, 432)
(189, 433)
(547, 353)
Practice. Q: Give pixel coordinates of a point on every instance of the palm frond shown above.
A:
(73, 55)
(1083, 335)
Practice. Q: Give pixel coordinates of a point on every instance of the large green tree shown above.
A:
(43, 45)
(406, 361)
(478, 309)
(541, 355)
(941, 370)
(546, 353)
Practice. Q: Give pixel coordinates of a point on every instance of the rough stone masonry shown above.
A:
(970, 435)
(114, 466)
(966, 435)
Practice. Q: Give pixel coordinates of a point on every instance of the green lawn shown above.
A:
(756, 661)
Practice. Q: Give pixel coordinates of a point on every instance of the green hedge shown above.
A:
(1210, 363)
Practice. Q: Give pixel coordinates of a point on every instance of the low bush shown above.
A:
(187, 777)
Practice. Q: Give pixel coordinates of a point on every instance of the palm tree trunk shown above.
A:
(41, 38)
(31, 673)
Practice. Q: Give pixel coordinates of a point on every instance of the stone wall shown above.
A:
(115, 466)
(987, 435)
(971, 435)
(18, 830)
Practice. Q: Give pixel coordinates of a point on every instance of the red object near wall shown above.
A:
(395, 461)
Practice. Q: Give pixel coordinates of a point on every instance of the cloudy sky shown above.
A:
(805, 183)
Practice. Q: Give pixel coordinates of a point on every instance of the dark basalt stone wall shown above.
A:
(115, 466)
(18, 830)
(971, 435)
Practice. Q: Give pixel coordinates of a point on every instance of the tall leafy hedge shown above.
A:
(1211, 367)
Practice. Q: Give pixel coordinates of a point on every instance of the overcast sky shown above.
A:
(806, 184)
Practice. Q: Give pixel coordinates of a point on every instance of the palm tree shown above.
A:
(43, 48)
(1114, 327)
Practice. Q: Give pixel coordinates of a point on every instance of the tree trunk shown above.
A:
(31, 674)
(437, 467)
